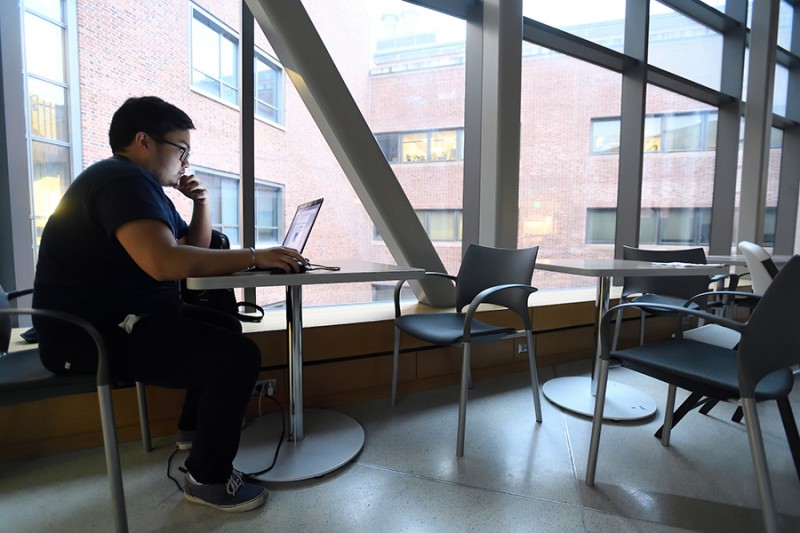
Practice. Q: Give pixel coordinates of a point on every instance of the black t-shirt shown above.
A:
(82, 268)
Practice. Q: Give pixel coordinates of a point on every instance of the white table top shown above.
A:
(350, 271)
(738, 260)
(624, 267)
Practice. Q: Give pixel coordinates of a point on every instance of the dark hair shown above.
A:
(149, 114)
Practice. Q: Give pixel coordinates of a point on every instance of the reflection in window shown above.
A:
(214, 58)
(44, 49)
(51, 176)
(48, 110)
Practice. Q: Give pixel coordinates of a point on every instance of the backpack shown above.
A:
(220, 299)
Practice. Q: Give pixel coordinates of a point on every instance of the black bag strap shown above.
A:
(250, 318)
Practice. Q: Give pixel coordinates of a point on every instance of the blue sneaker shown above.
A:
(235, 496)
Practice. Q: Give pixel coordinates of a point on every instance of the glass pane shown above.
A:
(49, 8)
(785, 25)
(561, 181)
(44, 48)
(711, 130)
(205, 83)
(230, 203)
(683, 132)
(780, 90)
(599, 22)
(442, 225)
(205, 49)
(601, 225)
(51, 177)
(652, 134)
(267, 213)
(388, 143)
(415, 147)
(681, 45)
(719, 5)
(444, 146)
(676, 226)
(605, 136)
(48, 110)
(677, 183)
(229, 62)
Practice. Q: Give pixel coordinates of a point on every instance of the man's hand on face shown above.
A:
(192, 187)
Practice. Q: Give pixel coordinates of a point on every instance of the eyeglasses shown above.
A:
(184, 151)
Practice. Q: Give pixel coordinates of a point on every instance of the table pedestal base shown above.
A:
(622, 401)
(331, 441)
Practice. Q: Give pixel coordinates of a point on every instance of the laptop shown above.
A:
(298, 233)
(303, 221)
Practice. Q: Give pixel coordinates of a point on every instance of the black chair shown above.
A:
(672, 290)
(487, 275)
(23, 378)
(758, 370)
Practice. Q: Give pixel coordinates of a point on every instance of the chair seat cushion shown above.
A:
(700, 367)
(24, 378)
(446, 329)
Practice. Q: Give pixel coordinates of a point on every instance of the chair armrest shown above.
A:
(103, 370)
(729, 293)
(681, 311)
(16, 294)
(481, 296)
(399, 285)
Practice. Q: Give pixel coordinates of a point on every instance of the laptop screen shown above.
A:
(301, 225)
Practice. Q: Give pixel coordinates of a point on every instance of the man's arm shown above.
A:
(153, 248)
(199, 233)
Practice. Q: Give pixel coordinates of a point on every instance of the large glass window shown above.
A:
(599, 22)
(658, 226)
(559, 178)
(269, 214)
(50, 146)
(683, 46)
(214, 58)
(223, 189)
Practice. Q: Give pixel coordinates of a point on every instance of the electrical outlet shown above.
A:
(265, 387)
(522, 348)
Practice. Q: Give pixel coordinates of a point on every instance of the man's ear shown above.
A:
(142, 141)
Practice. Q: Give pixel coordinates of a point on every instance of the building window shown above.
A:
(439, 224)
(422, 146)
(223, 191)
(657, 225)
(268, 89)
(214, 58)
(664, 132)
(269, 213)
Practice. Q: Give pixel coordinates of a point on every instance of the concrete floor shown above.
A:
(515, 475)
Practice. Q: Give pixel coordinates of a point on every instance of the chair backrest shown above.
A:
(483, 267)
(677, 286)
(771, 340)
(759, 263)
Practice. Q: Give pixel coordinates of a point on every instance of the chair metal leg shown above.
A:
(112, 457)
(617, 330)
(395, 364)
(790, 427)
(462, 403)
(642, 317)
(668, 413)
(597, 422)
(144, 417)
(693, 400)
(537, 404)
(760, 465)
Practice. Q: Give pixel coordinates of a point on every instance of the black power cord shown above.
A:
(248, 475)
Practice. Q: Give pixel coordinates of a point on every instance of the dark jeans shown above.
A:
(204, 352)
